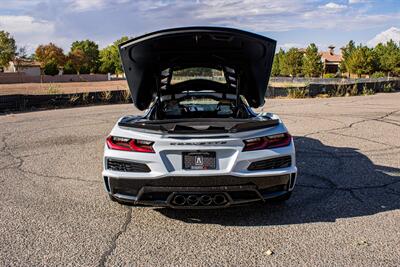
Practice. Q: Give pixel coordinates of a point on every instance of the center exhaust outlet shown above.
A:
(206, 200)
(192, 200)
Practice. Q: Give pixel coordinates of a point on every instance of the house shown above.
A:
(330, 60)
(22, 65)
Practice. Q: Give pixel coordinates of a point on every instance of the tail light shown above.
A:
(265, 142)
(127, 144)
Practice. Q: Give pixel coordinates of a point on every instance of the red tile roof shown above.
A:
(330, 57)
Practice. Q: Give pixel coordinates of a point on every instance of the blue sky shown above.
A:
(290, 22)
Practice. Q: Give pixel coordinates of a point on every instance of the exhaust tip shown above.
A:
(192, 200)
(179, 200)
(206, 200)
(220, 199)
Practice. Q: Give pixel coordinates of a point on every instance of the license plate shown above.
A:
(198, 160)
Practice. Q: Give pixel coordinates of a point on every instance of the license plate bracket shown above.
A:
(203, 160)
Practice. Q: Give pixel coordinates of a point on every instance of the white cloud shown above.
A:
(358, 1)
(287, 46)
(28, 31)
(88, 5)
(25, 24)
(64, 21)
(333, 7)
(392, 33)
(84, 5)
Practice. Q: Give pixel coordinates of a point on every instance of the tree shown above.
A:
(109, 57)
(388, 57)
(50, 53)
(346, 52)
(292, 62)
(362, 60)
(77, 59)
(276, 65)
(7, 48)
(312, 65)
(51, 68)
(69, 67)
(90, 51)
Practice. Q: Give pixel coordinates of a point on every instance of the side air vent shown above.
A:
(268, 164)
(126, 166)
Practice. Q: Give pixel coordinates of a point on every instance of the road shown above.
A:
(344, 211)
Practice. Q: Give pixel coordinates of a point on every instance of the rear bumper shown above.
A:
(162, 191)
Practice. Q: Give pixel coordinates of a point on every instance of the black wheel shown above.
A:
(282, 198)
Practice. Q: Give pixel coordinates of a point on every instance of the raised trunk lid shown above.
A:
(240, 53)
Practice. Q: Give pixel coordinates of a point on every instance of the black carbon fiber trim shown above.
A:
(268, 164)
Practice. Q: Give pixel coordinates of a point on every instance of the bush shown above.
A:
(329, 75)
(339, 90)
(298, 93)
(378, 74)
(69, 68)
(105, 96)
(73, 99)
(84, 70)
(367, 91)
(354, 90)
(53, 89)
(388, 88)
(126, 96)
(50, 68)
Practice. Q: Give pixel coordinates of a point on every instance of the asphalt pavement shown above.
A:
(344, 211)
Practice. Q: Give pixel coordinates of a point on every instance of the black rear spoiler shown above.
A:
(202, 125)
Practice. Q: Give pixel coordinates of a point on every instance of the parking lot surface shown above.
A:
(344, 211)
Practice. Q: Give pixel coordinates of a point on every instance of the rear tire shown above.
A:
(282, 198)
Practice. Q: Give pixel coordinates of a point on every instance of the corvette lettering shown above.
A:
(215, 143)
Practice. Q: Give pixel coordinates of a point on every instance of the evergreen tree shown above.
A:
(276, 65)
(361, 61)
(292, 62)
(312, 65)
(388, 57)
(346, 52)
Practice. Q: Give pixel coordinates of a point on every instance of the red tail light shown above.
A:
(271, 141)
(126, 144)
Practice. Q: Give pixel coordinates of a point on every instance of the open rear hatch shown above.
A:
(149, 60)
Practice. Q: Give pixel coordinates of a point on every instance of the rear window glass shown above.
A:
(198, 107)
(198, 73)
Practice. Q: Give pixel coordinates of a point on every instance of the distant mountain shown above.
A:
(385, 36)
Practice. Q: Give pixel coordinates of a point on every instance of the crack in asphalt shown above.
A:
(332, 185)
(390, 122)
(353, 123)
(365, 139)
(113, 244)
(20, 161)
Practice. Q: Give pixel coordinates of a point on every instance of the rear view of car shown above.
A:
(198, 144)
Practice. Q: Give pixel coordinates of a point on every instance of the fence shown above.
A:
(7, 78)
(335, 87)
(303, 80)
(29, 102)
(26, 102)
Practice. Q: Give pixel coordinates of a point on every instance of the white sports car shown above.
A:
(199, 144)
